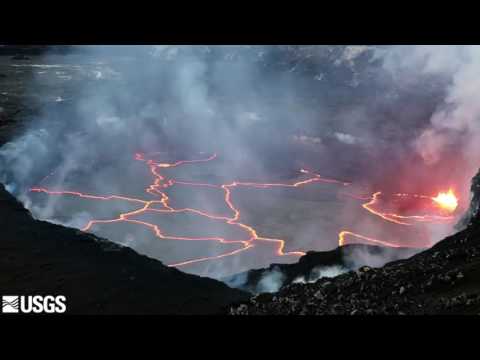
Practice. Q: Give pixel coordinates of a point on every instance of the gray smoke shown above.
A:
(319, 273)
(271, 281)
(399, 118)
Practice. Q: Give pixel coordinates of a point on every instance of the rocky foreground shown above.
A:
(316, 264)
(441, 280)
(96, 275)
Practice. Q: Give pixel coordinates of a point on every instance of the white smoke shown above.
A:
(455, 124)
(346, 138)
(320, 272)
(357, 257)
(271, 281)
(231, 100)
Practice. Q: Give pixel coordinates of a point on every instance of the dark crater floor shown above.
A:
(98, 276)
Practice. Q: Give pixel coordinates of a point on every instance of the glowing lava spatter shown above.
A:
(161, 183)
(446, 201)
(401, 219)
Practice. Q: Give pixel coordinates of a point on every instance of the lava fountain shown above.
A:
(446, 201)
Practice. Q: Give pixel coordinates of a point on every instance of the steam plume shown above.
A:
(398, 118)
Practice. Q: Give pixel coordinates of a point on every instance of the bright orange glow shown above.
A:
(372, 203)
(342, 240)
(401, 219)
(446, 201)
(160, 182)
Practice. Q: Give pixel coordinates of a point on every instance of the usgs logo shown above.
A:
(34, 304)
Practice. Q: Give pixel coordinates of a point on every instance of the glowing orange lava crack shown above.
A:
(161, 183)
(400, 219)
(342, 241)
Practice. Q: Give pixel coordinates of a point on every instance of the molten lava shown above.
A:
(446, 201)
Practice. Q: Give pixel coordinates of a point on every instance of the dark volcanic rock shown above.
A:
(24, 50)
(473, 211)
(307, 265)
(96, 275)
(441, 280)
(20, 57)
